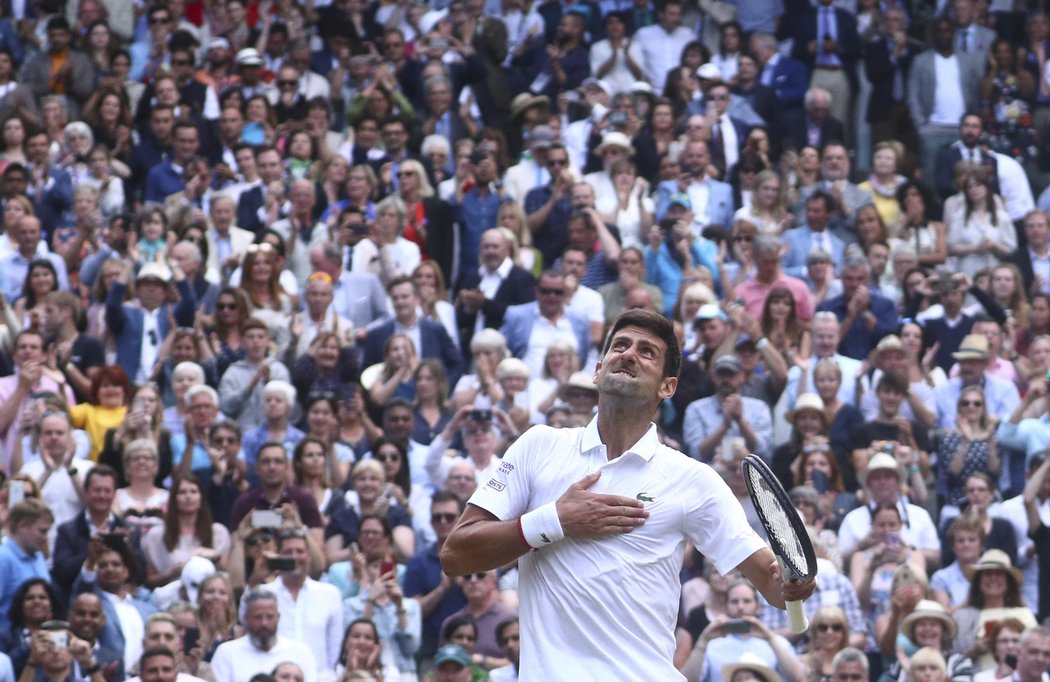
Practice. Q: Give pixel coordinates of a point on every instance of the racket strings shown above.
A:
(777, 523)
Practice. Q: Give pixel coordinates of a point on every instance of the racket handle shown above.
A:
(797, 620)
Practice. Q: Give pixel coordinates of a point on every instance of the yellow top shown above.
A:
(96, 420)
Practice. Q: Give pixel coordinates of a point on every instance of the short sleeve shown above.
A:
(716, 525)
(507, 492)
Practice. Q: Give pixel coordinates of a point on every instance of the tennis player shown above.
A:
(598, 518)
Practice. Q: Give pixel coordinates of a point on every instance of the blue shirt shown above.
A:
(163, 181)
(1029, 435)
(16, 567)
(476, 214)
(1000, 398)
(422, 576)
(553, 236)
(255, 438)
(859, 340)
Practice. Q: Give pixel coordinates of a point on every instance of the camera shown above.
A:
(480, 415)
(280, 563)
(617, 119)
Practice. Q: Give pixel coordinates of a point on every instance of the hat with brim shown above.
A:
(525, 101)
(927, 608)
(615, 139)
(154, 271)
(880, 462)
(581, 380)
(249, 56)
(642, 88)
(749, 661)
(598, 83)
(808, 402)
(709, 72)
(452, 653)
(994, 560)
(888, 343)
(973, 347)
(541, 137)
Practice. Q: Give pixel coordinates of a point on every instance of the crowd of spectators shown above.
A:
(280, 283)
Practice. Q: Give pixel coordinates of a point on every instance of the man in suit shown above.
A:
(887, 62)
(50, 187)
(826, 42)
(762, 98)
(942, 86)
(87, 619)
(971, 37)
(441, 116)
(712, 200)
(787, 76)
(815, 234)
(531, 327)
(483, 295)
(814, 126)
(109, 572)
(142, 325)
(358, 297)
(966, 148)
(728, 133)
(1034, 260)
(259, 167)
(847, 197)
(429, 337)
(167, 178)
(151, 146)
(227, 243)
(71, 543)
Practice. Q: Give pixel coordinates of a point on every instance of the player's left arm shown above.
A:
(763, 570)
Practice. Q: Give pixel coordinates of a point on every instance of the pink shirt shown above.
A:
(754, 295)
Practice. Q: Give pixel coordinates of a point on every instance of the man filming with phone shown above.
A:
(480, 443)
(311, 611)
(54, 650)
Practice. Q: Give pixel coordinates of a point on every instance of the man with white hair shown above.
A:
(356, 296)
(300, 230)
(188, 257)
(813, 125)
(1034, 657)
(278, 403)
(825, 331)
(849, 665)
(227, 243)
(484, 294)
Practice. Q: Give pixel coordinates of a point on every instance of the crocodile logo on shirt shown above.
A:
(643, 497)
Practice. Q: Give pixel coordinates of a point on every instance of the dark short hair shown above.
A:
(658, 325)
(153, 652)
(101, 471)
(502, 627)
(893, 383)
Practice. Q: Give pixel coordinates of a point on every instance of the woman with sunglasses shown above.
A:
(231, 310)
(829, 634)
(187, 531)
(931, 630)
(967, 449)
(310, 468)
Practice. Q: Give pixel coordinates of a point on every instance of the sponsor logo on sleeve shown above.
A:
(496, 485)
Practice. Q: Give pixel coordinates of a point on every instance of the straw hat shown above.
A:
(994, 560)
(749, 661)
(525, 101)
(973, 347)
(880, 461)
(578, 380)
(889, 342)
(807, 402)
(614, 139)
(927, 608)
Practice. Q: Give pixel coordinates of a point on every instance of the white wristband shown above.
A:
(541, 527)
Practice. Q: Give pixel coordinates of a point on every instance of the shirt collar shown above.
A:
(502, 271)
(644, 448)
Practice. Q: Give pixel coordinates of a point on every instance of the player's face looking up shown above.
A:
(633, 367)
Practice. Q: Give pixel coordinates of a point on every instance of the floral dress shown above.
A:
(1009, 120)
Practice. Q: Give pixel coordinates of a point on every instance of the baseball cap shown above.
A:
(680, 199)
(728, 363)
(452, 653)
(249, 56)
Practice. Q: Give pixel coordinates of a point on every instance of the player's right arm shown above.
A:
(483, 542)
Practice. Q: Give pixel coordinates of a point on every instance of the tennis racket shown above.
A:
(787, 534)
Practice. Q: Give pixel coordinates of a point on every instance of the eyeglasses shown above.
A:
(557, 162)
(443, 518)
(203, 406)
(141, 458)
(287, 84)
(544, 291)
(226, 306)
(835, 627)
(265, 247)
(971, 403)
(470, 577)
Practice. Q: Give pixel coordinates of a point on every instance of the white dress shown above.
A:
(971, 230)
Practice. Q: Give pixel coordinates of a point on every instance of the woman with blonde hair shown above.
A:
(433, 297)
(361, 184)
(387, 253)
(428, 219)
(829, 634)
(512, 217)
(769, 209)
(487, 348)
(559, 363)
(927, 665)
(693, 296)
(884, 180)
(395, 375)
(216, 613)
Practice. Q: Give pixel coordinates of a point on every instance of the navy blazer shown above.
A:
(517, 328)
(432, 336)
(518, 287)
(796, 130)
(804, 30)
(71, 549)
(790, 81)
(125, 322)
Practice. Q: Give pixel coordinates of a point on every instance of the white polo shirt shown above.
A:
(606, 609)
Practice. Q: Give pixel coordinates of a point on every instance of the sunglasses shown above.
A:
(406, 173)
(226, 306)
(443, 518)
(971, 403)
(544, 291)
(835, 627)
(287, 84)
(260, 538)
(180, 62)
(557, 162)
(159, 20)
(470, 577)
